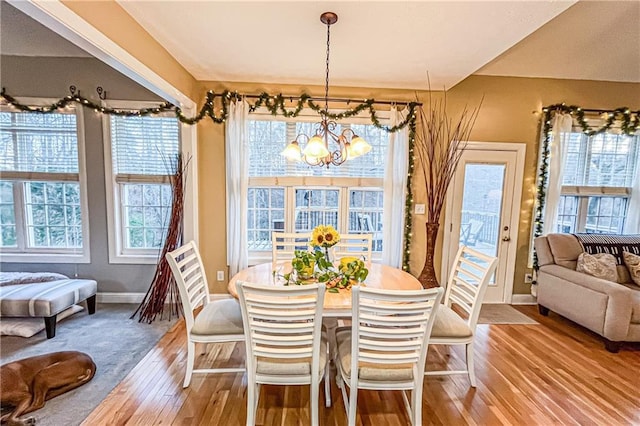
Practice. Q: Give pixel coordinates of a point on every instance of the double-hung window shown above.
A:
(139, 158)
(296, 197)
(43, 201)
(597, 182)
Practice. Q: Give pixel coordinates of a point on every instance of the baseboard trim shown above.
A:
(523, 299)
(138, 297)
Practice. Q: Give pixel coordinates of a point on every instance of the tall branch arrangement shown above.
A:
(163, 292)
(439, 144)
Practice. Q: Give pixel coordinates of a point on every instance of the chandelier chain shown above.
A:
(326, 81)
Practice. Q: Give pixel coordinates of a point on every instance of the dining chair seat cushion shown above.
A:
(449, 324)
(293, 366)
(369, 371)
(219, 317)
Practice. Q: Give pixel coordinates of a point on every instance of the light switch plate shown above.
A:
(419, 209)
(220, 275)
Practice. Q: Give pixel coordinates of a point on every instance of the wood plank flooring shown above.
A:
(552, 373)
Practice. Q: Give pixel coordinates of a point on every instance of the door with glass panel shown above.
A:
(481, 206)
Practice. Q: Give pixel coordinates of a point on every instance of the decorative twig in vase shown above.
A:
(439, 144)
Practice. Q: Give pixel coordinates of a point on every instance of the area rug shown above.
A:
(503, 314)
(115, 342)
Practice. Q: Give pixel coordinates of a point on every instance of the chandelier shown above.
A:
(317, 151)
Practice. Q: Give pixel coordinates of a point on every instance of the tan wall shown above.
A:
(508, 114)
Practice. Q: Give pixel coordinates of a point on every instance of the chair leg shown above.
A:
(253, 395)
(416, 405)
(353, 405)
(470, 368)
(314, 401)
(191, 349)
(327, 386)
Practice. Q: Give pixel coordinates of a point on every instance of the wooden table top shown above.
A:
(380, 276)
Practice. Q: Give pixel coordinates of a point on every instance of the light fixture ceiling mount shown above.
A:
(317, 151)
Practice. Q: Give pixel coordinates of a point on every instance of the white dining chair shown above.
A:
(218, 321)
(284, 244)
(356, 245)
(468, 282)
(284, 342)
(386, 346)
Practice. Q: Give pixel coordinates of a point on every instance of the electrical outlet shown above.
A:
(419, 209)
(528, 278)
(220, 275)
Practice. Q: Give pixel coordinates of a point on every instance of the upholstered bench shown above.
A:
(46, 299)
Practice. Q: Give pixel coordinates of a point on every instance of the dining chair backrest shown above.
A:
(356, 245)
(468, 282)
(282, 322)
(186, 265)
(284, 244)
(392, 327)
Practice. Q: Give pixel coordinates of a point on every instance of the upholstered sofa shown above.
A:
(611, 309)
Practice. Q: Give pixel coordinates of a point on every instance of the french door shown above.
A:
(483, 207)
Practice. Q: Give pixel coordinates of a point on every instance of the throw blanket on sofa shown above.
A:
(612, 244)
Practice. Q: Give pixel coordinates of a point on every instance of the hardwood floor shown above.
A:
(552, 373)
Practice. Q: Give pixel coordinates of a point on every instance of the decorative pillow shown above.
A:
(27, 327)
(633, 265)
(601, 265)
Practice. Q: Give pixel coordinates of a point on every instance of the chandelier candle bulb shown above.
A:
(317, 151)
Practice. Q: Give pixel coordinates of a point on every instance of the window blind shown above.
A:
(144, 145)
(42, 143)
(604, 160)
(268, 138)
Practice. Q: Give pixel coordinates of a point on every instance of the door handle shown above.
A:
(506, 238)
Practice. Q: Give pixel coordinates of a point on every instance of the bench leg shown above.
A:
(50, 326)
(91, 304)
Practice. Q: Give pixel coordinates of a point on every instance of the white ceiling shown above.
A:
(374, 44)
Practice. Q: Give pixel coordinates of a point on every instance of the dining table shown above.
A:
(336, 304)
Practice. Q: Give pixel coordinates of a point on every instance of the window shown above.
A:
(43, 207)
(139, 153)
(598, 178)
(295, 197)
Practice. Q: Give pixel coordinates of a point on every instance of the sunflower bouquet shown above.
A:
(324, 236)
(316, 265)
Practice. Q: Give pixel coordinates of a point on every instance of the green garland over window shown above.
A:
(629, 125)
(275, 104)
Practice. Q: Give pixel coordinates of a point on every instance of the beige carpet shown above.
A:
(503, 314)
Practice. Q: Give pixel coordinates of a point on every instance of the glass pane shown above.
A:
(365, 214)
(53, 215)
(605, 215)
(482, 207)
(7, 215)
(147, 210)
(264, 215)
(316, 207)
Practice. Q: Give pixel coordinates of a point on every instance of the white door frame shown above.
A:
(54, 15)
(520, 150)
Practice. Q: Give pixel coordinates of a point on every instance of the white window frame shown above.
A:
(290, 183)
(22, 253)
(584, 192)
(118, 254)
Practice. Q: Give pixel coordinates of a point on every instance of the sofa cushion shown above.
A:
(565, 249)
(635, 302)
(633, 264)
(601, 265)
